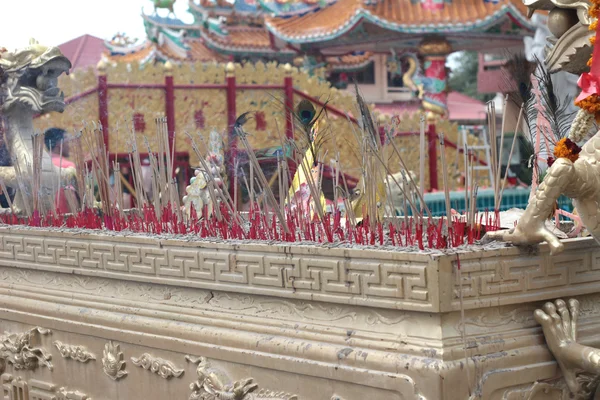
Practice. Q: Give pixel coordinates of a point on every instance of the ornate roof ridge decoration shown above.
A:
(290, 8)
(239, 7)
(166, 22)
(344, 15)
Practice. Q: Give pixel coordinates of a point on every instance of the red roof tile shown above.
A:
(84, 51)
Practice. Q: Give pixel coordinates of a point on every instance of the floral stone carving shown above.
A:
(162, 368)
(211, 385)
(17, 349)
(77, 353)
(112, 361)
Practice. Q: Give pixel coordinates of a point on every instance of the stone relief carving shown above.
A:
(335, 279)
(64, 394)
(77, 353)
(17, 349)
(212, 385)
(17, 388)
(162, 368)
(112, 361)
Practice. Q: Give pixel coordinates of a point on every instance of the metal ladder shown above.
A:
(485, 147)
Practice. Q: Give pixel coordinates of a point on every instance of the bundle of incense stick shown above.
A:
(512, 148)
(36, 173)
(79, 161)
(261, 177)
(216, 192)
(100, 166)
(422, 153)
(22, 185)
(445, 182)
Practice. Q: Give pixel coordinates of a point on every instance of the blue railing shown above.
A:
(512, 198)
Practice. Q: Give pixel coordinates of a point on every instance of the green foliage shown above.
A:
(463, 78)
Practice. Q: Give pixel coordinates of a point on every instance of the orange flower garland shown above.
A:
(565, 148)
(591, 104)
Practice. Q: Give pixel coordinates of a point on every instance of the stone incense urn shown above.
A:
(87, 315)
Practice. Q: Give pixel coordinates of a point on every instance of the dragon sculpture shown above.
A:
(28, 87)
(568, 50)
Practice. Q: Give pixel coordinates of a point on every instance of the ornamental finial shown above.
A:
(230, 69)
(168, 67)
(102, 66)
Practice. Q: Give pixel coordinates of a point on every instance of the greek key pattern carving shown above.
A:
(489, 279)
(385, 282)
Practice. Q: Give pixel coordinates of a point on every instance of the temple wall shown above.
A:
(118, 316)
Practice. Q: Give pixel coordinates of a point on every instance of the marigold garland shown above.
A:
(592, 103)
(565, 148)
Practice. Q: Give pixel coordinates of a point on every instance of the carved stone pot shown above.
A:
(127, 317)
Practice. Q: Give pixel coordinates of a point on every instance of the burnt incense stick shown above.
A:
(500, 150)
(422, 152)
(445, 182)
(512, 148)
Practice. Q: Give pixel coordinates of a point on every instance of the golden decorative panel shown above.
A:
(72, 119)
(129, 106)
(454, 160)
(134, 73)
(198, 111)
(199, 73)
(77, 82)
(259, 73)
(267, 128)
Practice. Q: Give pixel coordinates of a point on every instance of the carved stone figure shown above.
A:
(198, 193)
(28, 86)
(569, 50)
(112, 361)
(211, 385)
(18, 350)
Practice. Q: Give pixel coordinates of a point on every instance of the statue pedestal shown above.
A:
(316, 322)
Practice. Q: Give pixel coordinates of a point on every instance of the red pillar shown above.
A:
(435, 82)
(103, 102)
(433, 172)
(288, 89)
(170, 104)
(232, 139)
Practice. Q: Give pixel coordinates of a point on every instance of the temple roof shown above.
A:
(84, 51)
(406, 16)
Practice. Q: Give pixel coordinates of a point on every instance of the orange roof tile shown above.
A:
(250, 38)
(165, 51)
(397, 15)
(349, 60)
(199, 52)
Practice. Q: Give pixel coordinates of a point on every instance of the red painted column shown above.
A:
(103, 101)
(433, 172)
(170, 104)
(288, 85)
(434, 84)
(232, 139)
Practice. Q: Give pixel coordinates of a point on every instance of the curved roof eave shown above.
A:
(365, 15)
